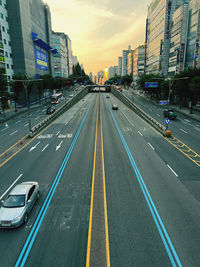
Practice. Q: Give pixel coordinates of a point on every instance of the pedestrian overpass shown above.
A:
(99, 88)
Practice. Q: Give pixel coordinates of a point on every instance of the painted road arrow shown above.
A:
(34, 147)
(59, 146)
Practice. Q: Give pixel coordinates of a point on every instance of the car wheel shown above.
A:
(25, 218)
(38, 195)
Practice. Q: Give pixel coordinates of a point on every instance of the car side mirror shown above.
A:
(2, 201)
(28, 201)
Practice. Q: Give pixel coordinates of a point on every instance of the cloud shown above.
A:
(99, 30)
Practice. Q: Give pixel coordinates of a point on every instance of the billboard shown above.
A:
(41, 58)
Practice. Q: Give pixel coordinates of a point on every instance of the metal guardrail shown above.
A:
(138, 110)
(36, 129)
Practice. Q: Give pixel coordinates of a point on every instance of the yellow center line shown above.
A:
(105, 202)
(92, 201)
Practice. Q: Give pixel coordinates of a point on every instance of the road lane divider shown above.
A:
(36, 226)
(98, 253)
(175, 261)
(172, 170)
(11, 186)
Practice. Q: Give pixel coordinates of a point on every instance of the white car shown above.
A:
(18, 204)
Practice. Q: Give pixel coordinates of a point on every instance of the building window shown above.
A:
(4, 40)
(6, 18)
(11, 66)
(9, 43)
(1, 2)
(3, 28)
(6, 53)
(8, 66)
(8, 31)
(1, 15)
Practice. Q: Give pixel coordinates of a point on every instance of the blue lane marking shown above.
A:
(27, 246)
(158, 221)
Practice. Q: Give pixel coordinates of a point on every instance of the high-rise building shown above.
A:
(91, 76)
(159, 21)
(120, 66)
(115, 70)
(31, 37)
(60, 59)
(75, 60)
(138, 62)
(178, 42)
(130, 63)
(6, 61)
(124, 60)
(193, 39)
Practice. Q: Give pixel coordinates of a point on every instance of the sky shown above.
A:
(100, 29)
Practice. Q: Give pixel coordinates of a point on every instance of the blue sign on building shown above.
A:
(41, 59)
(151, 84)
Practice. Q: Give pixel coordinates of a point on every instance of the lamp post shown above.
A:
(25, 84)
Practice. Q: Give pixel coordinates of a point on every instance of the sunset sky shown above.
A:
(100, 30)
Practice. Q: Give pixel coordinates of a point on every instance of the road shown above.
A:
(16, 128)
(183, 128)
(151, 193)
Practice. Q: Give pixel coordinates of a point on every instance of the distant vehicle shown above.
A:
(107, 96)
(169, 113)
(50, 110)
(196, 107)
(114, 107)
(18, 204)
(70, 96)
(56, 98)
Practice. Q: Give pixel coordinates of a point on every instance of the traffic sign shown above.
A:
(151, 84)
(163, 102)
(167, 121)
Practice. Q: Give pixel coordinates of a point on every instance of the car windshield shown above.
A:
(14, 201)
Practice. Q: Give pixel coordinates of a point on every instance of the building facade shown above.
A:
(159, 21)
(120, 66)
(130, 63)
(6, 61)
(60, 59)
(178, 42)
(31, 37)
(138, 62)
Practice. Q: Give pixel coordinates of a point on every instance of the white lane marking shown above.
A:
(150, 109)
(4, 129)
(43, 109)
(26, 125)
(158, 114)
(58, 133)
(17, 122)
(59, 146)
(37, 118)
(14, 132)
(140, 133)
(11, 186)
(127, 118)
(172, 170)
(34, 147)
(186, 120)
(183, 130)
(151, 146)
(45, 147)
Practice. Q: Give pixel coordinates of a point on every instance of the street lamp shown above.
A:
(25, 84)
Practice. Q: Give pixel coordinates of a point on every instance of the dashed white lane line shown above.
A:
(4, 129)
(18, 122)
(186, 120)
(140, 133)
(26, 125)
(45, 147)
(127, 118)
(151, 146)
(11, 186)
(37, 118)
(150, 109)
(58, 133)
(172, 170)
(14, 132)
(158, 114)
(183, 130)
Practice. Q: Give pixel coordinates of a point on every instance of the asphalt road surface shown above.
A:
(146, 213)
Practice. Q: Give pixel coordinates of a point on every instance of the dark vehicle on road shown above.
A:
(18, 204)
(107, 96)
(169, 113)
(50, 110)
(114, 107)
